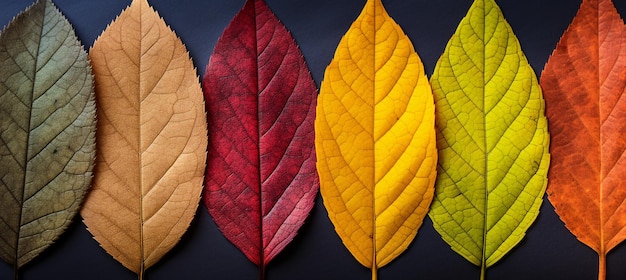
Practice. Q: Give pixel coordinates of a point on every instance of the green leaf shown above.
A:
(47, 129)
(492, 139)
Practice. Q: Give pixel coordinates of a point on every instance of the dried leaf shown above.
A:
(492, 139)
(375, 139)
(151, 139)
(584, 83)
(47, 131)
(261, 180)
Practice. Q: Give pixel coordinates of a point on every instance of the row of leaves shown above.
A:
(384, 141)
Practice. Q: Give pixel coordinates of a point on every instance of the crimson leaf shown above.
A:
(261, 180)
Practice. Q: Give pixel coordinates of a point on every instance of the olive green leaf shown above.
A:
(47, 131)
(492, 139)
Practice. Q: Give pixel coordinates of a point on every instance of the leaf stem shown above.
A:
(602, 267)
(374, 272)
(262, 271)
(16, 272)
(483, 271)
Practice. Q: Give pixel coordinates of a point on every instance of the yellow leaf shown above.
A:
(151, 145)
(493, 139)
(375, 139)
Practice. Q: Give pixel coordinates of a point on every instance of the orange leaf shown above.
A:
(151, 139)
(583, 84)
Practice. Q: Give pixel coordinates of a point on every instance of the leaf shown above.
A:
(47, 131)
(584, 82)
(261, 180)
(375, 139)
(492, 139)
(151, 139)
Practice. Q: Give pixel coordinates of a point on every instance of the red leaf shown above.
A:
(584, 83)
(261, 180)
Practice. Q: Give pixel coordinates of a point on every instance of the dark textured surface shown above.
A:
(549, 251)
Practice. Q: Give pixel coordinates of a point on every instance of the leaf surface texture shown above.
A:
(47, 130)
(375, 139)
(261, 179)
(584, 83)
(151, 139)
(492, 139)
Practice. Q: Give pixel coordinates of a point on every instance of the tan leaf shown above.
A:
(151, 146)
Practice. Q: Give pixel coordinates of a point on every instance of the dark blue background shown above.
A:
(549, 251)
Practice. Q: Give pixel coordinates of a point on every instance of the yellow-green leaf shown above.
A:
(492, 139)
(375, 139)
(152, 139)
(47, 131)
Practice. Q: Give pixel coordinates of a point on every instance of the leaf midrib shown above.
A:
(258, 141)
(483, 262)
(139, 150)
(373, 122)
(601, 169)
(28, 138)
